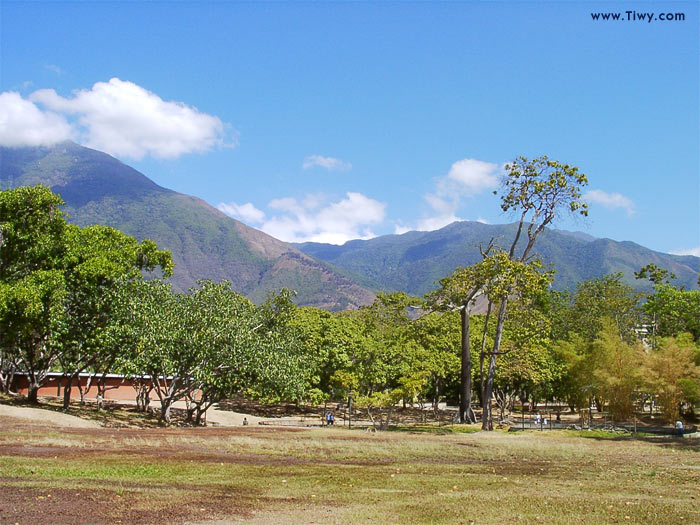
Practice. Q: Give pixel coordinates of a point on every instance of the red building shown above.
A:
(115, 386)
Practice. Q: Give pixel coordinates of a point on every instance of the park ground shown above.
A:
(55, 471)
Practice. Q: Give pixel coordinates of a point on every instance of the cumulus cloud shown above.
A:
(118, 117)
(247, 212)
(611, 201)
(22, 123)
(466, 178)
(691, 251)
(124, 119)
(314, 219)
(329, 163)
(469, 177)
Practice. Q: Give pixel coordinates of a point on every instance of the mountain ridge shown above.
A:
(206, 243)
(413, 261)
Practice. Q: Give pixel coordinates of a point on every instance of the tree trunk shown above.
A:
(66, 392)
(385, 424)
(33, 393)
(486, 418)
(466, 414)
(165, 411)
(436, 393)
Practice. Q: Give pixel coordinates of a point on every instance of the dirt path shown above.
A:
(43, 416)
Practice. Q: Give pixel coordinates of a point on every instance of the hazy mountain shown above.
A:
(99, 189)
(413, 261)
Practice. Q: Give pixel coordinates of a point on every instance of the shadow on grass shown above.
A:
(666, 441)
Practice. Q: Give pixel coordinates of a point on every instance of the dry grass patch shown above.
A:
(265, 475)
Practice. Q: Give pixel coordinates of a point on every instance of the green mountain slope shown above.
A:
(99, 189)
(412, 262)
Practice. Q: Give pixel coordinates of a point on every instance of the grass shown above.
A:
(264, 475)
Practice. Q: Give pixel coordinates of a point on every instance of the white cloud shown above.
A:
(691, 251)
(400, 228)
(443, 212)
(22, 123)
(121, 118)
(611, 201)
(329, 163)
(469, 177)
(315, 220)
(245, 212)
(466, 178)
(482, 220)
(54, 68)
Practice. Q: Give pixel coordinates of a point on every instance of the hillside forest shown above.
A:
(93, 299)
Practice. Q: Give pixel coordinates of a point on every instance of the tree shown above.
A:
(525, 286)
(31, 287)
(209, 344)
(576, 382)
(99, 259)
(617, 370)
(55, 284)
(459, 292)
(606, 298)
(433, 352)
(539, 190)
(32, 317)
(32, 228)
(671, 311)
(670, 371)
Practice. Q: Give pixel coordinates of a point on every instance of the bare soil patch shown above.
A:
(58, 506)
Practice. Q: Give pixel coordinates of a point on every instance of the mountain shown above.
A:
(205, 243)
(99, 189)
(413, 261)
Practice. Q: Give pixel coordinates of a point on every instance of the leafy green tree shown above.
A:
(32, 317)
(162, 348)
(330, 343)
(584, 311)
(55, 284)
(524, 285)
(385, 326)
(210, 344)
(655, 274)
(672, 311)
(459, 292)
(245, 349)
(597, 306)
(31, 287)
(538, 191)
(32, 229)
(99, 259)
(433, 352)
(576, 383)
(607, 298)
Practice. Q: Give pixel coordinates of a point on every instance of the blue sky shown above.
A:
(330, 121)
